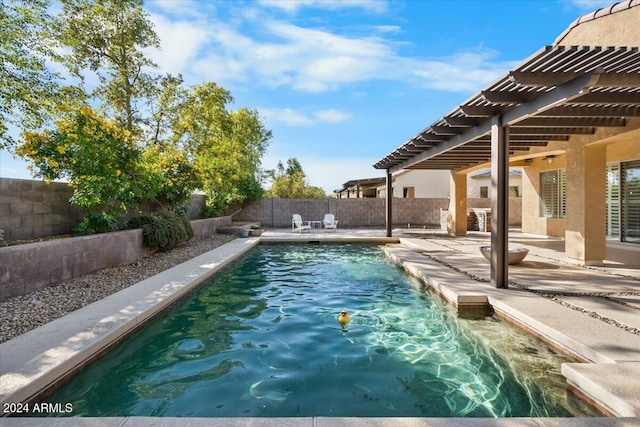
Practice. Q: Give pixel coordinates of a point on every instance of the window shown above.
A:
(514, 191)
(484, 191)
(408, 192)
(630, 209)
(613, 200)
(553, 188)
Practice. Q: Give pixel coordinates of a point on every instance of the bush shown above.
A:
(163, 231)
(98, 223)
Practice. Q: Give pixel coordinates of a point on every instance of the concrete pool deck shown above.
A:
(591, 313)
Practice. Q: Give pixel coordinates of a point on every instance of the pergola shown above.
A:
(558, 92)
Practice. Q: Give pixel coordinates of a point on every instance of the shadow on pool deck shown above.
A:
(592, 313)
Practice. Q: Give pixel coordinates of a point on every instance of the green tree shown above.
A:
(291, 182)
(109, 37)
(227, 146)
(172, 177)
(169, 96)
(100, 160)
(29, 91)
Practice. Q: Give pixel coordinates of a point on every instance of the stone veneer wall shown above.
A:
(32, 266)
(363, 212)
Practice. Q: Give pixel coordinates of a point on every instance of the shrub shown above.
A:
(99, 223)
(163, 231)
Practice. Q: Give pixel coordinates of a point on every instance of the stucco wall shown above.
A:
(619, 148)
(426, 183)
(474, 184)
(619, 28)
(532, 222)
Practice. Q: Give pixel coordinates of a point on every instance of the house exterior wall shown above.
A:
(615, 29)
(474, 184)
(426, 183)
(532, 222)
(620, 147)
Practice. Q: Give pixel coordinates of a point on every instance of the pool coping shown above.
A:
(39, 359)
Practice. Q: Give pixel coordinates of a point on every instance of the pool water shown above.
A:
(261, 339)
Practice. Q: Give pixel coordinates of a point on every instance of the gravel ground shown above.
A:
(23, 313)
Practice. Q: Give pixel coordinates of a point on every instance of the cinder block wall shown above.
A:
(362, 212)
(31, 209)
(32, 266)
(203, 228)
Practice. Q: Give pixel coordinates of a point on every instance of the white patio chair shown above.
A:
(298, 224)
(330, 222)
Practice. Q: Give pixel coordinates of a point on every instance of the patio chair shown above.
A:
(330, 222)
(298, 224)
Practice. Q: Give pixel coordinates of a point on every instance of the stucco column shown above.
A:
(585, 235)
(457, 216)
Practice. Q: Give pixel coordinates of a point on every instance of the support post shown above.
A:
(499, 203)
(388, 213)
(457, 213)
(585, 233)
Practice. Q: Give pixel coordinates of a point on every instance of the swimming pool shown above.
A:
(261, 339)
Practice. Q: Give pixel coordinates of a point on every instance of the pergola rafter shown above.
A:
(558, 92)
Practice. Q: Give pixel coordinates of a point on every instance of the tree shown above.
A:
(100, 160)
(172, 176)
(226, 146)
(109, 37)
(291, 182)
(168, 99)
(29, 91)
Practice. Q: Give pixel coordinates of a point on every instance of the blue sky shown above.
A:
(343, 83)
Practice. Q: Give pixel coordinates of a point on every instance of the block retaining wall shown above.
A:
(31, 209)
(32, 266)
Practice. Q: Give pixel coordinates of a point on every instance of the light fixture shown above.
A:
(528, 162)
(550, 159)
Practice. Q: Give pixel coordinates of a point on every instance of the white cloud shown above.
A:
(332, 116)
(388, 28)
(184, 8)
(291, 117)
(286, 116)
(462, 72)
(180, 42)
(309, 59)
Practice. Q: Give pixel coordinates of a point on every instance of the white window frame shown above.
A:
(553, 194)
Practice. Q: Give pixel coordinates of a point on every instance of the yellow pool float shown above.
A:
(343, 317)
